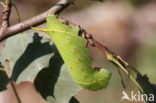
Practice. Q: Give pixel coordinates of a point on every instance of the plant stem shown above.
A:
(112, 59)
(34, 21)
(117, 60)
(16, 94)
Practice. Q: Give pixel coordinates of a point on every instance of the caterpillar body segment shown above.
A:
(72, 48)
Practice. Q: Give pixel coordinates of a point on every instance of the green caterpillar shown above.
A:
(76, 55)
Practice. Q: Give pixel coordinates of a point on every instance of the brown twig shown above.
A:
(7, 71)
(110, 56)
(5, 18)
(15, 91)
(34, 21)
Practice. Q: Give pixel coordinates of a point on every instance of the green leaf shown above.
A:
(144, 60)
(4, 80)
(33, 56)
(148, 87)
(54, 82)
(74, 100)
(28, 54)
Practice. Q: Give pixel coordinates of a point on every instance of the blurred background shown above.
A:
(127, 27)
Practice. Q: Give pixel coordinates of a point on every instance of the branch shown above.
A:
(15, 91)
(34, 21)
(5, 16)
(7, 70)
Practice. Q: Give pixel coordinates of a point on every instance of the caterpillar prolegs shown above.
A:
(72, 48)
